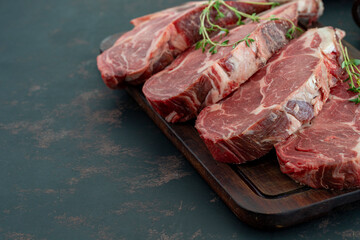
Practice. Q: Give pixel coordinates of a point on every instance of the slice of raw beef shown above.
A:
(326, 153)
(196, 79)
(285, 94)
(157, 39)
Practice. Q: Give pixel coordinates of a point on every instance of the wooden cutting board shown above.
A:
(257, 192)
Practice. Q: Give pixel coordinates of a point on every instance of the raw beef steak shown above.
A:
(288, 92)
(326, 153)
(157, 39)
(196, 79)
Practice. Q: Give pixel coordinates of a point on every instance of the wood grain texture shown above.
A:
(257, 192)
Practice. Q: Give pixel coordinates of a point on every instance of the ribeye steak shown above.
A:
(285, 94)
(326, 153)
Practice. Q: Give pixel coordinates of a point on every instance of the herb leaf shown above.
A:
(355, 62)
(355, 100)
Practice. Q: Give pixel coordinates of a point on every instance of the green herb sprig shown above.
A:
(351, 68)
(245, 39)
(207, 27)
(291, 32)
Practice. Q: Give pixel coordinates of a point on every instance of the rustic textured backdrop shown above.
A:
(79, 161)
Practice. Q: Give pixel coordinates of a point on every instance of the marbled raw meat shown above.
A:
(285, 94)
(326, 153)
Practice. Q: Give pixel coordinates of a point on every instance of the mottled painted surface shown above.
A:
(79, 161)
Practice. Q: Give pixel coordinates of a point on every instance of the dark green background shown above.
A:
(79, 161)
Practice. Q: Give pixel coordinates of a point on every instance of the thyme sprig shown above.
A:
(291, 32)
(207, 26)
(245, 39)
(351, 68)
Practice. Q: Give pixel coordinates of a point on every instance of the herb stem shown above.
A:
(207, 26)
(253, 17)
(350, 66)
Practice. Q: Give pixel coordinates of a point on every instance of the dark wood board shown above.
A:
(257, 192)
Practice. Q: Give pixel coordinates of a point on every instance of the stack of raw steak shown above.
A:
(198, 80)
(288, 92)
(262, 93)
